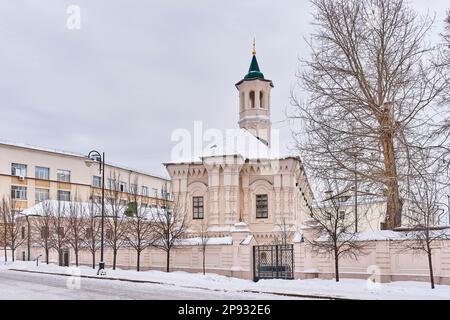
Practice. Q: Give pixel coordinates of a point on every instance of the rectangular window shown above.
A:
(63, 195)
(89, 233)
(111, 184)
(23, 232)
(109, 234)
(155, 192)
(145, 191)
(63, 175)
(97, 181)
(42, 173)
(197, 207)
(96, 199)
(19, 170)
(123, 186)
(19, 193)
(342, 215)
(42, 195)
(134, 188)
(44, 232)
(262, 208)
(61, 231)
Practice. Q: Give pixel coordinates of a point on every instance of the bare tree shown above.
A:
(91, 238)
(446, 37)
(60, 228)
(139, 228)
(116, 220)
(76, 222)
(334, 229)
(442, 131)
(372, 81)
(4, 219)
(285, 231)
(14, 225)
(422, 217)
(43, 226)
(169, 225)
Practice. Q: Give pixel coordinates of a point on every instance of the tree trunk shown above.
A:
(46, 255)
(60, 260)
(6, 253)
(204, 254)
(76, 257)
(430, 266)
(93, 259)
(12, 254)
(336, 266)
(114, 258)
(394, 201)
(167, 260)
(138, 262)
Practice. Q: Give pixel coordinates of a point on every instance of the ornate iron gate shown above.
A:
(273, 262)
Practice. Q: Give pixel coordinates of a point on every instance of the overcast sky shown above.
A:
(137, 70)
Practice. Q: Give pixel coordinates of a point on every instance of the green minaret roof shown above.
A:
(253, 71)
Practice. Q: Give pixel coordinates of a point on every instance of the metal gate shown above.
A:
(273, 262)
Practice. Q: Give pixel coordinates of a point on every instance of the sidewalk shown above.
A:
(314, 288)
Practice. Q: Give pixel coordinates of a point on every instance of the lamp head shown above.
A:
(88, 162)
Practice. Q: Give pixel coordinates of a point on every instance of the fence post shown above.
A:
(241, 260)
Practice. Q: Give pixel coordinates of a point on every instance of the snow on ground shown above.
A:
(346, 288)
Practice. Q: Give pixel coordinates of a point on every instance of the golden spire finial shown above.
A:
(254, 47)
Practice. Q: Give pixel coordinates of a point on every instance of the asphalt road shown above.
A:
(22, 285)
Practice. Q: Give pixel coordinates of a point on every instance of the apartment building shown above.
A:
(29, 175)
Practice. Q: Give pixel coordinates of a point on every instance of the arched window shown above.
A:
(261, 100)
(252, 99)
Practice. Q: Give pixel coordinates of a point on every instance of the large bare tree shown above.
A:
(446, 37)
(372, 82)
(169, 225)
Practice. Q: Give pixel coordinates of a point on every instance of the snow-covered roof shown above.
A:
(64, 209)
(209, 241)
(247, 241)
(239, 142)
(297, 237)
(74, 154)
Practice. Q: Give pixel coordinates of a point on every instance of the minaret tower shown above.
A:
(254, 101)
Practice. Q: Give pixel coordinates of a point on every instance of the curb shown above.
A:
(309, 296)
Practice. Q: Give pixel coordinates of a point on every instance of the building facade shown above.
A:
(245, 180)
(29, 175)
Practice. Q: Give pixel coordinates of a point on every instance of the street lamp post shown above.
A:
(100, 158)
(27, 219)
